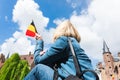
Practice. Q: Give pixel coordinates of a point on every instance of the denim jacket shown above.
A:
(60, 50)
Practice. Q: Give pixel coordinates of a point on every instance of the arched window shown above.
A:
(110, 74)
(24, 58)
(116, 70)
(31, 57)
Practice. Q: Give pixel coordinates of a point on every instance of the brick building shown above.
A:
(111, 68)
(28, 57)
(2, 59)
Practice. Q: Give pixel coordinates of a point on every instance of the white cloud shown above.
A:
(23, 15)
(6, 18)
(17, 43)
(58, 21)
(107, 21)
(90, 41)
(102, 21)
(78, 4)
(74, 3)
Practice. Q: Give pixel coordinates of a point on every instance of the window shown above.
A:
(110, 74)
(24, 58)
(108, 61)
(31, 57)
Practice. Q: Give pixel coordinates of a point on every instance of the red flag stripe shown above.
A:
(30, 33)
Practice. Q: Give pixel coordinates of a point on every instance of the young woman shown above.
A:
(59, 52)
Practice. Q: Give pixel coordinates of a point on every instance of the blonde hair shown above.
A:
(66, 29)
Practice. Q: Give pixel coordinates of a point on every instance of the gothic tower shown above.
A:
(108, 60)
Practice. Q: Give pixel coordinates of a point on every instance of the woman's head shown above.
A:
(66, 29)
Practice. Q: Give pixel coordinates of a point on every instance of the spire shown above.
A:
(8, 55)
(105, 47)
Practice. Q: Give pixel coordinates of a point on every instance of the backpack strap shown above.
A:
(76, 63)
(79, 72)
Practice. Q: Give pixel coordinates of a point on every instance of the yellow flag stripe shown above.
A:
(31, 28)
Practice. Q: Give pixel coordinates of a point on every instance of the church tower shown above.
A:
(108, 59)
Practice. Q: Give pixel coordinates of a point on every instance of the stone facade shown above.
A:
(111, 68)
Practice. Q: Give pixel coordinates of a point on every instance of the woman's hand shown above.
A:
(42, 52)
(38, 37)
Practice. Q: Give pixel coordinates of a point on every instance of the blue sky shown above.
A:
(51, 8)
(93, 21)
(55, 9)
(6, 24)
(59, 8)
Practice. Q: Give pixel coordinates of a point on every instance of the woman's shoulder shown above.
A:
(66, 38)
(63, 37)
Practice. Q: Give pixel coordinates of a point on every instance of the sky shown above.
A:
(95, 20)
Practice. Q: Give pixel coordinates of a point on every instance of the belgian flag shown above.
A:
(31, 30)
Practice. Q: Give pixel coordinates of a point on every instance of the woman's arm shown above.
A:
(52, 54)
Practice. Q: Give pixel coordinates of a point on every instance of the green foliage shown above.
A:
(25, 71)
(14, 68)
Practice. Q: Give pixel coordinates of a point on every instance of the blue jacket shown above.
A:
(60, 51)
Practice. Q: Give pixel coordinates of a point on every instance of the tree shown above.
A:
(14, 68)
